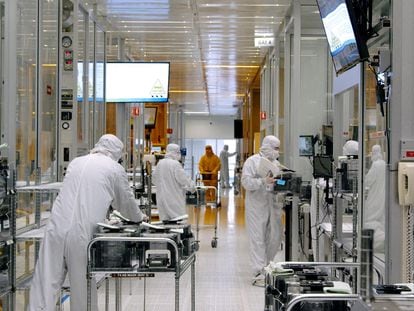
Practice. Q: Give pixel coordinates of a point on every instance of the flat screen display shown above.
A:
(137, 82)
(322, 167)
(150, 117)
(305, 145)
(345, 44)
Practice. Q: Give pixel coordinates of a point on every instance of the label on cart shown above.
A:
(132, 275)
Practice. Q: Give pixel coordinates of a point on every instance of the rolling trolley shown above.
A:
(140, 257)
(199, 199)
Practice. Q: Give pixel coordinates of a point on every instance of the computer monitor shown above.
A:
(305, 145)
(347, 42)
(150, 117)
(322, 166)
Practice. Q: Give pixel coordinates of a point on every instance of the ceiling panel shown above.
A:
(209, 43)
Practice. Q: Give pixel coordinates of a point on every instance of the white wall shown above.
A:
(214, 127)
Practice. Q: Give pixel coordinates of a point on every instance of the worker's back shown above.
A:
(87, 192)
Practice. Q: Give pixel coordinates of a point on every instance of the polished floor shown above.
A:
(223, 278)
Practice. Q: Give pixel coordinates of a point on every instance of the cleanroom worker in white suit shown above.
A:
(171, 181)
(224, 169)
(374, 211)
(92, 183)
(263, 216)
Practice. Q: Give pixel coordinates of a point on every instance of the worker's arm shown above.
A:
(124, 200)
(201, 165)
(250, 179)
(182, 179)
(217, 167)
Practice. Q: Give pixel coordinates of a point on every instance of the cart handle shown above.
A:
(321, 297)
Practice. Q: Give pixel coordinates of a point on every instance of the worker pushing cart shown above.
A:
(209, 166)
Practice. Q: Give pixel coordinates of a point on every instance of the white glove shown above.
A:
(269, 180)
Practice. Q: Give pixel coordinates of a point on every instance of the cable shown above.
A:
(410, 244)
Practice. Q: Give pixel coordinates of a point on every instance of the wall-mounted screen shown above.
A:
(305, 145)
(150, 117)
(137, 82)
(346, 44)
(322, 167)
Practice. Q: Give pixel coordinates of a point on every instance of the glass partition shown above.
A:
(83, 80)
(99, 126)
(48, 90)
(26, 148)
(375, 148)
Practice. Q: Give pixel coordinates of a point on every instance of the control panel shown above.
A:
(68, 90)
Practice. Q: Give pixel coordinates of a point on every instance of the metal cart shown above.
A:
(135, 264)
(277, 296)
(199, 199)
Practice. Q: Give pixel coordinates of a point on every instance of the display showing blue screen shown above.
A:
(281, 182)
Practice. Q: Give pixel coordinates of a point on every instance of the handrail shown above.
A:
(321, 297)
(323, 264)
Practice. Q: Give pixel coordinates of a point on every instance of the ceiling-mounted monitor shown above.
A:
(137, 82)
(347, 44)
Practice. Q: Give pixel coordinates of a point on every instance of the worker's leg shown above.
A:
(76, 260)
(49, 274)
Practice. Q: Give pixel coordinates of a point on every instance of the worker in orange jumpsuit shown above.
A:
(209, 166)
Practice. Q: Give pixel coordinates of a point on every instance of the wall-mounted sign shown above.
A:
(263, 42)
(135, 111)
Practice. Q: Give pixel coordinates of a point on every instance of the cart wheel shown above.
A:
(213, 243)
(236, 192)
(196, 246)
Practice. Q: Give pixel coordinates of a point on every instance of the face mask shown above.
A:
(275, 154)
(267, 153)
(177, 156)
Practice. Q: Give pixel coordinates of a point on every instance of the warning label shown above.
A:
(157, 90)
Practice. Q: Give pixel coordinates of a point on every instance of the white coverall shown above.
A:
(171, 182)
(374, 211)
(92, 183)
(263, 216)
(224, 169)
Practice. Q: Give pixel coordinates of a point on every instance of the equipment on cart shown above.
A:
(128, 255)
(186, 236)
(348, 169)
(120, 255)
(288, 182)
(160, 254)
(287, 281)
